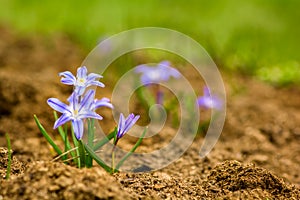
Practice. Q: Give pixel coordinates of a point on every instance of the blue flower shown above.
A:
(82, 80)
(156, 74)
(125, 124)
(208, 102)
(76, 111)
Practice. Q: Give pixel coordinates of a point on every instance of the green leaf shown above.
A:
(91, 123)
(75, 142)
(132, 150)
(81, 153)
(97, 159)
(105, 140)
(46, 135)
(89, 159)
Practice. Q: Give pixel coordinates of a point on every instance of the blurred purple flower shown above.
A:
(76, 111)
(82, 80)
(125, 124)
(208, 102)
(156, 74)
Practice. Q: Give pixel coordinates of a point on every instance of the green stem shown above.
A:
(8, 156)
(81, 153)
(75, 142)
(89, 159)
(132, 150)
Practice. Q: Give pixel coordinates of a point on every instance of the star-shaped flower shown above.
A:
(157, 74)
(82, 80)
(76, 111)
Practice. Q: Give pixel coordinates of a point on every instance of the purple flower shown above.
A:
(76, 111)
(208, 102)
(156, 74)
(104, 102)
(125, 124)
(82, 80)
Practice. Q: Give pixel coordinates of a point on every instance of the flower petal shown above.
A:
(217, 103)
(93, 76)
(78, 128)
(174, 72)
(67, 81)
(146, 80)
(104, 102)
(89, 114)
(142, 68)
(87, 100)
(164, 63)
(58, 105)
(79, 89)
(68, 78)
(121, 126)
(204, 102)
(96, 83)
(62, 120)
(73, 100)
(81, 72)
(130, 122)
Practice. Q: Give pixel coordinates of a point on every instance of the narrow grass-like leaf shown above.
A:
(105, 140)
(97, 159)
(81, 153)
(47, 136)
(65, 156)
(89, 159)
(91, 123)
(132, 150)
(8, 169)
(75, 142)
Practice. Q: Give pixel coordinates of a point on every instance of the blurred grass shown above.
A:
(259, 38)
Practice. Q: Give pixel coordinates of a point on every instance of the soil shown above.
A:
(256, 157)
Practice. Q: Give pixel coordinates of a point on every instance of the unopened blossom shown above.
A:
(208, 102)
(76, 111)
(157, 74)
(82, 79)
(125, 124)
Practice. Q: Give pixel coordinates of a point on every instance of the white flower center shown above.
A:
(81, 81)
(154, 75)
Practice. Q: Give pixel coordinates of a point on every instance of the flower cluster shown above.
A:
(162, 72)
(81, 106)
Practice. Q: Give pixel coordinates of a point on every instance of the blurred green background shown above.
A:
(257, 37)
